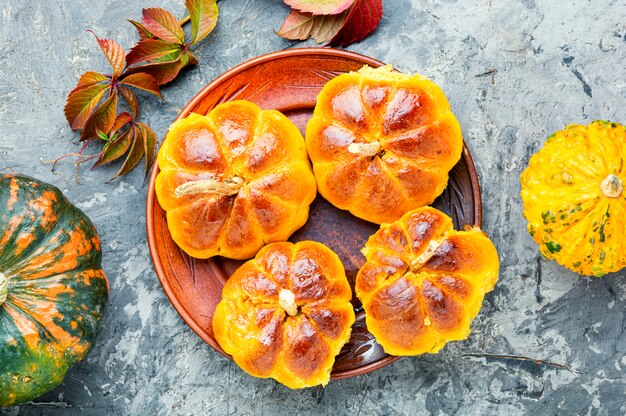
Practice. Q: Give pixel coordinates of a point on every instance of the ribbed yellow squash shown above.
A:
(574, 200)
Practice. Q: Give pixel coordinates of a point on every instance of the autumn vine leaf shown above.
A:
(320, 7)
(335, 22)
(203, 15)
(163, 50)
(322, 28)
(143, 82)
(114, 53)
(81, 102)
(158, 57)
(362, 20)
(163, 25)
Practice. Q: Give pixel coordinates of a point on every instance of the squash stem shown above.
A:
(210, 186)
(4, 288)
(287, 300)
(423, 258)
(364, 149)
(612, 186)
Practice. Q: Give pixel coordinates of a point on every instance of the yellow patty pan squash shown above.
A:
(574, 198)
(234, 180)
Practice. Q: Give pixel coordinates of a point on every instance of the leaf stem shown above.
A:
(185, 20)
(82, 159)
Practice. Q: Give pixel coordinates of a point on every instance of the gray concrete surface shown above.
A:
(514, 71)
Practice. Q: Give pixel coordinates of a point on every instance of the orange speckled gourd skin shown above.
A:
(414, 303)
(249, 323)
(235, 139)
(569, 216)
(409, 116)
(57, 290)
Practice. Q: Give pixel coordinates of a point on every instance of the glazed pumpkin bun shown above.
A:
(382, 143)
(234, 180)
(424, 282)
(286, 314)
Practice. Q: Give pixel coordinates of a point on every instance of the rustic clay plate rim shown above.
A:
(156, 260)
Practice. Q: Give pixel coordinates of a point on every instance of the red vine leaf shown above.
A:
(141, 30)
(155, 60)
(162, 24)
(149, 145)
(121, 120)
(362, 20)
(203, 15)
(115, 149)
(144, 82)
(131, 99)
(163, 72)
(135, 154)
(102, 120)
(91, 78)
(151, 49)
(320, 7)
(81, 103)
(114, 53)
(301, 26)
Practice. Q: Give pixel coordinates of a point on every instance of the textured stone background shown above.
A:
(514, 71)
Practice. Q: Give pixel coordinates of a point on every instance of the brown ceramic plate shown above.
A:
(289, 81)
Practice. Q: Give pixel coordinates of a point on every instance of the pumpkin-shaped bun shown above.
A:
(234, 180)
(574, 200)
(286, 313)
(382, 143)
(424, 282)
(53, 291)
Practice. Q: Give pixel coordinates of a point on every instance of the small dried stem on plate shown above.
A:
(423, 258)
(287, 300)
(364, 149)
(210, 186)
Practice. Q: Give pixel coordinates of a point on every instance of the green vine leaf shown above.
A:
(162, 24)
(203, 15)
(188, 58)
(114, 150)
